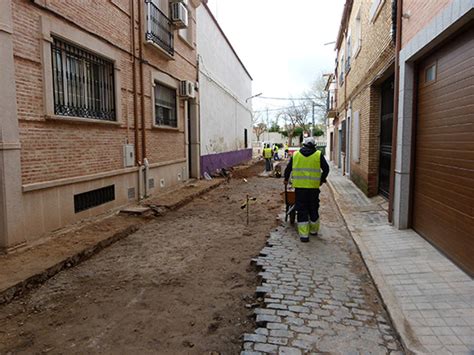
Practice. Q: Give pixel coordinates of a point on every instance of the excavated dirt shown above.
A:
(181, 284)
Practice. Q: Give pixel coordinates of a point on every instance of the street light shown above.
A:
(251, 97)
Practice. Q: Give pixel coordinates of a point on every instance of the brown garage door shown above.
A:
(444, 155)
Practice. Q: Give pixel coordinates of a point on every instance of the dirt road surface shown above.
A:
(179, 285)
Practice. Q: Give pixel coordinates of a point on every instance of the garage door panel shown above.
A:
(459, 113)
(453, 62)
(437, 183)
(457, 176)
(443, 193)
(435, 211)
(457, 242)
(446, 126)
(438, 192)
(441, 163)
(447, 85)
(455, 186)
(452, 146)
(453, 118)
(464, 103)
(451, 154)
(444, 136)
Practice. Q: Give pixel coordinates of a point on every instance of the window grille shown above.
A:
(165, 106)
(83, 83)
(159, 28)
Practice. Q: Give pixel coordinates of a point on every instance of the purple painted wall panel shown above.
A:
(211, 162)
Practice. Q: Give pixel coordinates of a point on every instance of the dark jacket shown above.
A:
(307, 151)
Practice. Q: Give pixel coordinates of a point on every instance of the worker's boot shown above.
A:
(303, 231)
(314, 227)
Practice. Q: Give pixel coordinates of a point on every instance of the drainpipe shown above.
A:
(345, 106)
(398, 45)
(140, 46)
(146, 168)
(134, 76)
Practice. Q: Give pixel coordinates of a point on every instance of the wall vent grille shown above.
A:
(93, 198)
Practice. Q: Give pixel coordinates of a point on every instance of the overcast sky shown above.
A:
(281, 42)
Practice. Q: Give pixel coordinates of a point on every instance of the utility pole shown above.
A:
(312, 129)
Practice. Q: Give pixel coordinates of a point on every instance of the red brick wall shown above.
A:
(375, 56)
(421, 13)
(53, 150)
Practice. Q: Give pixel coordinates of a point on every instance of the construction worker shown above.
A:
(308, 169)
(286, 150)
(275, 152)
(267, 155)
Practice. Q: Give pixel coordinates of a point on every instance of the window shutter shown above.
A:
(355, 137)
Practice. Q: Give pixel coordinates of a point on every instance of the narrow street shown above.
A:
(184, 283)
(178, 285)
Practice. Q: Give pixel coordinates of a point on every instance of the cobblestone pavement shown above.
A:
(318, 296)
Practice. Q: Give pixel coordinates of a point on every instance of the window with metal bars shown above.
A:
(83, 83)
(165, 106)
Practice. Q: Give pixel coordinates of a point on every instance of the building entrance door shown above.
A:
(386, 119)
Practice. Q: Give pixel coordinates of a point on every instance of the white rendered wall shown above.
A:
(224, 86)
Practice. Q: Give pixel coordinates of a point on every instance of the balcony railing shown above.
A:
(331, 106)
(159, 28)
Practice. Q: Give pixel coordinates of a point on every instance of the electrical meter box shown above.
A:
(128, 155)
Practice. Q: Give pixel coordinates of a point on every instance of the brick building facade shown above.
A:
(72, 109)
(403, 124)
(365, 56)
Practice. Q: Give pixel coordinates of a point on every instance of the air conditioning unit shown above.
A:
(186, 89)
(179, 14)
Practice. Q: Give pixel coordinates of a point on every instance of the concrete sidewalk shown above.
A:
(430, 300)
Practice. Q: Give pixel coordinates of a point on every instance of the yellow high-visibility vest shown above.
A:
(306, 171)
(267, 153)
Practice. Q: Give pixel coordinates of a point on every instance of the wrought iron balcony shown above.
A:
(159, 28)
(331, 105)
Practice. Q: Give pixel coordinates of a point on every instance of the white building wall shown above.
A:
(224, 85)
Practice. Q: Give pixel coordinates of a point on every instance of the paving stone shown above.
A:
(294, 320)
(281, 333)
(263, 289)
(266, 348)
(362, 312)
(294, 298)
(264, 311)
(255, 338)
(262, 331)
(318, 324)
(263, 318)
(250, 353)
(286, 313)
(284, 350)
(321, 312)
(301, 329)
(299, 309)
(277, 326)
(277, 306)
(302, 344)
(248, 346)
(278, 341)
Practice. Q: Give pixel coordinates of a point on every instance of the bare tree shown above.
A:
(257, 125)
(259, 129)
(317, 98)
(295, 116)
